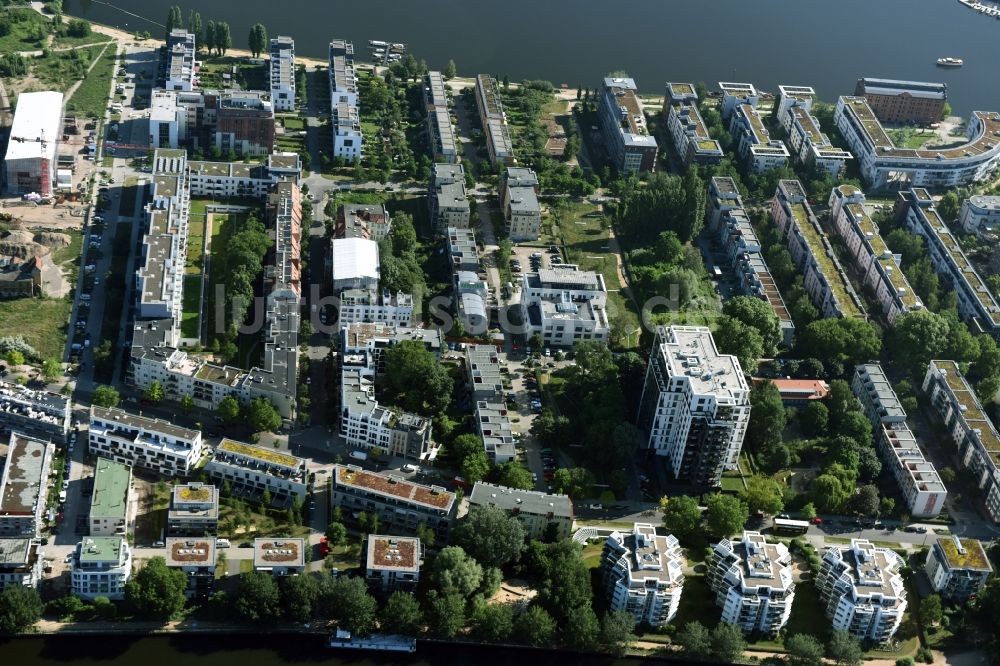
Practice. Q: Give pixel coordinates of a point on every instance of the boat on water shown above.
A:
(950, 62)
(375, 42)
(399, 47)
(378, 642)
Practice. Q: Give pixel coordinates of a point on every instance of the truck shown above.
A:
(359, 455)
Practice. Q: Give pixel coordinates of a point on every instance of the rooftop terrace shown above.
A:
(392, 486)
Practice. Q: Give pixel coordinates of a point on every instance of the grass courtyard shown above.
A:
(92, 95)
(40, 321)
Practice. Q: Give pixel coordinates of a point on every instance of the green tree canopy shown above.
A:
(20, 608)
(493, 623)
(767, 416)
(814, 418)
(402, 614)
(617, 632)
(804, 650)
(725, 515)
(762, 493)
(347, 600)
(257, 597)
(727, 643)
(759, 315)
(298, 597)
(445, 612)
(454, 571)
(228, 410)
(156, 591)
(695, 641)
(491, 536)
(682, 516)
(106, 396)
(513, 474)
(415, 379)
(572, 481)
(535, 627)
(844, 649)
(257, 41)
(261, 415)
(744, 342)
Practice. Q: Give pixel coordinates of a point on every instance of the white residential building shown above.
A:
(393, 563)
(980, 214)
(976, 303)
(449, 205)
(31, 159)
(885, 166)
(355, 263)
(643, 574)
(957, 568)
(825, 280)
(862, 591)
(139, 441)
(194, 510)
(367, 426)
(111, 503)
(539, 513)
(627, 141)
(971, 430)
(348, 141)
(754, 144)
(24, 485)
(471, 296)
(789, 96)
(735, 94)
(440, 130)
(519, 199)
(20, 562)
(196, 559)
(180, 61)
(752, 582)
(878, 266)
(688, 131)
(462, 250)
(564, 305)
(695, 405)
(494, 121)
(101, 567)
(256, 469)
(917, 478)
(810, 146)
(483, 372)
(34, 412)
(279, 556)
(282, 73)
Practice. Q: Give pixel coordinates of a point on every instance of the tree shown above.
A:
(513, 474)
(808, 511)
(257, 40)
(347, 600)
(106, 396)
(804, 650)
(257, 597)
(261, 415)
(727, 643)
(695, 641)
(828, 493)
(682, 516)
(154, 393)
(844, 649)
(445, 613)
(744, 342)
(572, 481)
(866, 501)
(51, 369)
(454, 571)
(616, 632)
(196, 28)
(336, 533)
(415, 379)
(567, 582)
(156, 591)
(535, 627)
(187, 403)
(298, 597)
(845, 340)
(767, 416)
(762, 493)
(14, 357)
(930, 610)
(759, 315)
(223, 37)
(20, 608)
(491, 536)
(581, 629)
(725, 514)
(450, 71)
(917, 337)
(475, 467)
(814, 418)
(211, 32)
(402, 614)
(493, 623)
(228, 410)
(175, 20)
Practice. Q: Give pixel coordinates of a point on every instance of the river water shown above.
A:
(828, 44)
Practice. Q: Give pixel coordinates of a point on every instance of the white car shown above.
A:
(409, 468)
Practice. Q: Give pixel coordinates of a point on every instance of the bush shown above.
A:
(78, 28)
(925, 655)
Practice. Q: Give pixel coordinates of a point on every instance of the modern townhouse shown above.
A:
(399, 504)
(230, 121)
(148, 443)
(348, 141)
(447, 199)
(971, 430)
(564, 305)
(463, 254)
(809, 145)
(688, 131)
(370, 221)
(196, 559)
(180, 61)
(980, 214)
(484, 372)
(440, 130)
(24, 485)
(485, 379)
(789, 96)
(643, 574)
(21, 562)
(539, 513)
(957, 567)
(884, 166)
(735, 94)
(694, 406)
(392, 563)
(471, 301)
(862, 591)
(752, 582)
(494, 121)
(111, 510)
(631, 148)
(522, 213)
(976, 303)
(374, 338)
(35, 412)
(918, 480)
(194, 510)
(825, 280)
(279, 556)
(253, 470)
(909, 102)
(754, 144)
(878, 266)
(282, 73)
(227, 180)
(102, 565)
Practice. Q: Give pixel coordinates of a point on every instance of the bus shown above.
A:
(785, 526)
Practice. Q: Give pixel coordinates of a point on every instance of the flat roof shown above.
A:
(389, 485)
(393, 553)
(271, 552)
(143, 423)
(111, 489)
(37, 118)
(270, 456)
(962, 553)
(690, 352)
(190, 551)
(24, 475)
(354, 258)
(523, 501)
(15, 552)
(100, 549)
(194, 492)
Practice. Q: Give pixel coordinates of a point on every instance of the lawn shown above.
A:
(62, 69)
(93, 38)
(807, 613)
(41, 321)
(249, 77)
(28, 31)
(68, 257)
(592, 555)
(192, 307)
(293, 123)
(910, 137)
(91, 98)
(697, 603)
(195, 246)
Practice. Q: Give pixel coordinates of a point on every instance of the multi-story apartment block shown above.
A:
(24, 485)
(980, 213)
(370, 305)
(392, 563)
(519, 199)
(976, 303)
(196, 559)
(727, 218)
(34, 412)
(194, 510)
(540, 513)
(911, 102)
(493, 425)
(102, 565)
(144, 442)
(735, 94)
(348, 141)
(564, 305)
(244, 123)
(643, 574)
(884, 166)
(279, 556)
(369, 221)
(447, 199)
(630, 146)
(810, 146)
(471, 296)
(111, 503)
(824, 278)
(971, 430)
(282, 73)
(368, 426)
(20, 562)
(373, 339)
(483, 372)
(752, 582)
(875, 262)
(354, 263)
(754, 144)
(462, 250)
(440, 130)
(257, 469)
(957, 568)
(32, 158)
(399, 504)
(179, 61)
(231, 121)
(695, 405)
(494, 121)
(861, 590)
(789, 96)
(688, 131)
(917, 478)
(226, 180)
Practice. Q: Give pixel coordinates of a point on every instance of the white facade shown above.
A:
(862, 590)
(282, 73)
(752, 582)
(20, 562)
(258, 469)
(565, 305)
(754, 144)
(886, 167)
(180, 61)
(143, 442)
(957, 568)
(30, 161)
(735, 94)
(101, 568)
(519, 198)
(980, 213)
(449, 204)
(643, 574)
(808, 143)
(348, 141)
(494, 121)
(688, 131)
(393, 563)
(367, 426)
(695, 405)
